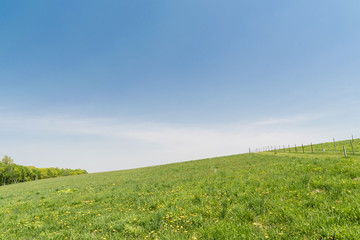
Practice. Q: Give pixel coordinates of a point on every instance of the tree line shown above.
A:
(13, 173)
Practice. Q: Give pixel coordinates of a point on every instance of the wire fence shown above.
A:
(345, 147)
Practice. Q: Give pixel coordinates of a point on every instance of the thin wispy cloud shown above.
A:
(126, 143)
(292, 120)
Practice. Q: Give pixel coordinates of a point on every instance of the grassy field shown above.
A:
(250, 196)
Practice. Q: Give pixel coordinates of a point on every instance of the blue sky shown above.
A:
(139, 83)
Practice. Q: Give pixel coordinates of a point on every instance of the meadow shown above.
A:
(264, 195)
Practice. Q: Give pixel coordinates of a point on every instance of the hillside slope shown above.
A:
(248, 196)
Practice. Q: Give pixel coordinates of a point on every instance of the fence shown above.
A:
(345, 147)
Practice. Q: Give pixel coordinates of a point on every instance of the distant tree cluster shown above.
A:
(13, 173)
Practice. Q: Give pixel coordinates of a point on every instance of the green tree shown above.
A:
(7, 160)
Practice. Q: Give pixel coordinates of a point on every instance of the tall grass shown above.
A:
(249, 196)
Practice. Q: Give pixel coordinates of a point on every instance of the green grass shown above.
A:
(248, 196)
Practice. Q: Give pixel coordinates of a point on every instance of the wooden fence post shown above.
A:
(303, 148)
(334, 145)
(352, 147)
(344, 151)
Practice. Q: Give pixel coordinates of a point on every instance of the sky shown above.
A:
(111, 85)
